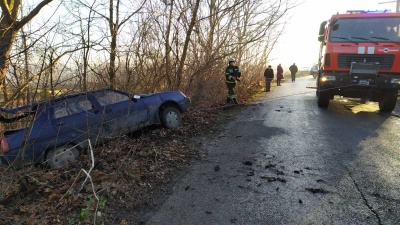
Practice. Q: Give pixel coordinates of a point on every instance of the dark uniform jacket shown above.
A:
(269, 73)
(293, 69)
(231, 74)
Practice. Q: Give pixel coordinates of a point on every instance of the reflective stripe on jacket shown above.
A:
(230, 73)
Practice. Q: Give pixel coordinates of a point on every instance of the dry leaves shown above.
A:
(128, 175)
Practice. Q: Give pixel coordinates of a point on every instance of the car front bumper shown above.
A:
(341, 80)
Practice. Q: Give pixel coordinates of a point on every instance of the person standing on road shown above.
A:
(279, 75)
(293, 70)
(269, 76)
(232, 75)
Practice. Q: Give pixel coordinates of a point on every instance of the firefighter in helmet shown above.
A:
(232, 75)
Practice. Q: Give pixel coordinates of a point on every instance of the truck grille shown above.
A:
(385, 61)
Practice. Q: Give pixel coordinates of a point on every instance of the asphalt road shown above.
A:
(286, 161)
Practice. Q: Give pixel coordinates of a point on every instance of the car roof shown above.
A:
(60, 98)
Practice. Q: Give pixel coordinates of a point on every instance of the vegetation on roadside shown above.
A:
(130, 174)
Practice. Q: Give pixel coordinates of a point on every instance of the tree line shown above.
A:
(140, 46)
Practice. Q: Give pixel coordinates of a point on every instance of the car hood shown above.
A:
(176, 95)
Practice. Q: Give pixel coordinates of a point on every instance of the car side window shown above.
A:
(110, 97)
(60, 109)
(71, 106)
(81, 105)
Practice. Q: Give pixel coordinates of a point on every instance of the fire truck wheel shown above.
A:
(323, 99)
(388, 102)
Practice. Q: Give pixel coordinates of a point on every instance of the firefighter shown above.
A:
(293, 70)
(269, 76)
(232, 75)
(279, 74)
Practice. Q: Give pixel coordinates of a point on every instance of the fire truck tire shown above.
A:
(388, 102)
(323, 99)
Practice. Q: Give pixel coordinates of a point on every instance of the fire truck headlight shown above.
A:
(328, 78)
(395, 81)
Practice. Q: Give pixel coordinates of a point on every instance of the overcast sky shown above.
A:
(299, 42)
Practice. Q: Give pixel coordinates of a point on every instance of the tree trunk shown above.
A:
(7, 38)
(186, 44)
(111, 69)
(9, 27)
(26, 72)
(168, 48)
(113, 45)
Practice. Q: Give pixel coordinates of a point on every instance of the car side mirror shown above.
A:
(322, 28)
(135, 98)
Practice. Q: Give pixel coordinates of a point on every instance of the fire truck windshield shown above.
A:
(374, 29)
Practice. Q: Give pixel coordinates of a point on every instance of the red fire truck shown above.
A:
(360, 58)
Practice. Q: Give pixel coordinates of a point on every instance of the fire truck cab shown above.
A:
(360, 58)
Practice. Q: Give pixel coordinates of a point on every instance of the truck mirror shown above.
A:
(322, 28)
(321, 38)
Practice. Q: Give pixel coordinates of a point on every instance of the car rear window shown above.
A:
(25, 121)
(110, 97)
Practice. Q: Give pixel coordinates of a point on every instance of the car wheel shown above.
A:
(61, 156)
(171, 117)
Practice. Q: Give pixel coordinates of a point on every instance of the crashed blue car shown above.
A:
(54, 132)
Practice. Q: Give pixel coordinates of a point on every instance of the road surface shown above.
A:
(286, 161)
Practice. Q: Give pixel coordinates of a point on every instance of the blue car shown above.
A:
(54, 132)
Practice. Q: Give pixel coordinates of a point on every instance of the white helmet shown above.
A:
(232, 60)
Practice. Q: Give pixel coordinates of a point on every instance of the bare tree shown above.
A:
(115, 24)
(83, 19)
(191, 51)
(26, 60)
(242, 29)
(9, 27)
(192, 23)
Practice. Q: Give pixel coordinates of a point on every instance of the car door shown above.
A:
(122, 113)
(75, 120)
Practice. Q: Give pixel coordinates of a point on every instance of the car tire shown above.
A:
(323, 99)
(388, 102)
(171, 117)
(61, 156)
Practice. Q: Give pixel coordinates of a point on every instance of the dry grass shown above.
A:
(129, 174)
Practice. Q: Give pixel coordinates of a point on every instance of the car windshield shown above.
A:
(372, 29)
(110, 97)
